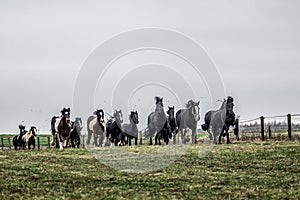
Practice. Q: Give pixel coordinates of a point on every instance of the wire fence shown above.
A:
(279, 127)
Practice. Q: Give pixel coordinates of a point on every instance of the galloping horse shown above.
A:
(96, 125)
(156, 119)
(61, 128)
(76, 132)
(230, 120)
(215, 120)
(27, 138)
(172, 122)
(130, 130)
(188, 118)
(114, 129)
(17, 140)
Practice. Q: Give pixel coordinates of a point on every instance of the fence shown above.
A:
(271, 127)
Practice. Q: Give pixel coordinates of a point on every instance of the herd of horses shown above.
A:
(161, 125)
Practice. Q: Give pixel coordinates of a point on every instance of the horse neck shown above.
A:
(63, 121)
(223, 113)
(117, 121)
(131, 124)
(171, 118)
(159, 108)
(190, 111)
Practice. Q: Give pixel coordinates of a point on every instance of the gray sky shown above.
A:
(43, 44)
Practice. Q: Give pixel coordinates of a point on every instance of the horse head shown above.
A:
(100, 115)
(194, 108)
(118, 116)
(159, 100)
(134, 117)
(33, 130)
(171, 112)
(229, 103)
(65, 113)
(22, 128)
(78, 124)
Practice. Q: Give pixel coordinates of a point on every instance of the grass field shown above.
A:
(264, 170)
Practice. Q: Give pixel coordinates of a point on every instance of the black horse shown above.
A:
(172, 122)
(26, 138)
(230, 120)
(17, 140)
(61, 128)
(215, 120)
(76, 132)
(96, 126)
(188, 118)
(114, 130)
(157, 120)
(130, 130)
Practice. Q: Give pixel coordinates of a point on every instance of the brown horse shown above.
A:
(61, 128)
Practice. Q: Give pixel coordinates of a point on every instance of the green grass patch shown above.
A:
(260, 170)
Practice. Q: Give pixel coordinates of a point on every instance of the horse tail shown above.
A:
(204, 127)
(206, 124)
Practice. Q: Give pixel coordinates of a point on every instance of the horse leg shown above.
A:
(210, 135)
(53, 139)
(66, 142)
(156, 138)
(129, 140)
(227, 135)
(89, 137)
(174, 137)
(183, 141)
(72, 141)
(95, 139)
(194, 136)
(220, 136)
(60, 142)
(166, 138)
(151, 133)
(135, 141)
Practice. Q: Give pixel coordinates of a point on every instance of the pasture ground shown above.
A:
(264, 170)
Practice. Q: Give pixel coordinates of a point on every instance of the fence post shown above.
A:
(9, 144)
(2, 145)
(38, 144)
(270, 132)
(289, 119)
(141, 139)
(262, 124)
(48, 141)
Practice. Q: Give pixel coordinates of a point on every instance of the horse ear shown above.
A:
(198, 103)
(173, 107)
(69, 109)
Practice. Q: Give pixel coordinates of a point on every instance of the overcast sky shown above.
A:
(254, 44)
